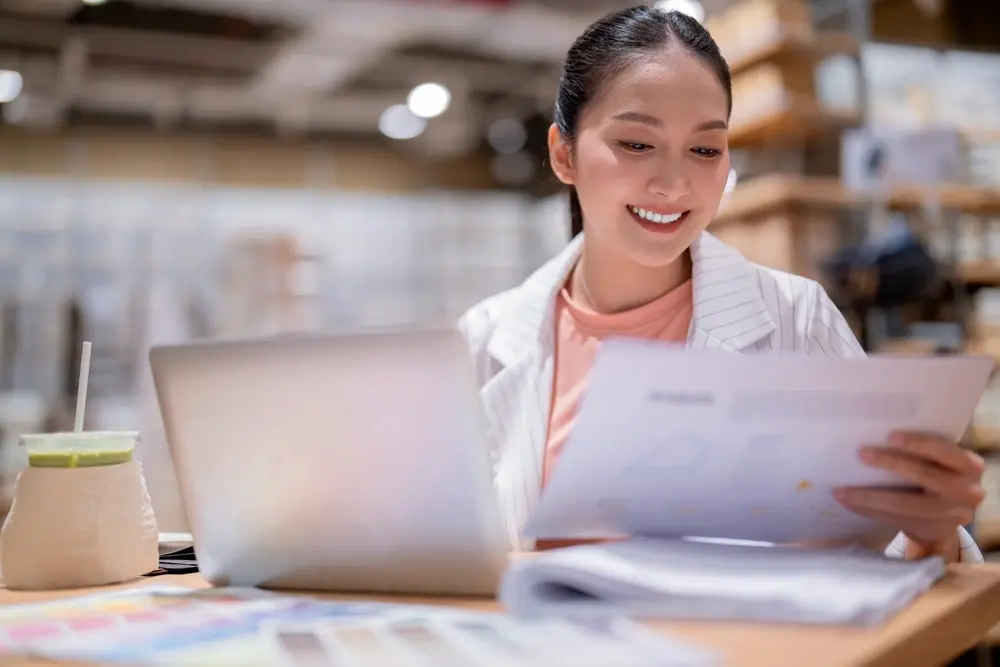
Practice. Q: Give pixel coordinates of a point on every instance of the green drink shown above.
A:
(80, 450)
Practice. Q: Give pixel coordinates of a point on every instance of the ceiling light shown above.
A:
(692, 8)
(398, 122)
(11, 84)
(428, 100)
(94, 3)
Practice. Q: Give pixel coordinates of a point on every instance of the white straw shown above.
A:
(81, 390)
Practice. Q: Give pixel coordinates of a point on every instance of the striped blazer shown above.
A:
(739, 307)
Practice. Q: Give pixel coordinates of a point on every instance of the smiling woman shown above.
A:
(640, 138)
(641, 124)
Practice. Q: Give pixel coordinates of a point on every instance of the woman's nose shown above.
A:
(671, 184)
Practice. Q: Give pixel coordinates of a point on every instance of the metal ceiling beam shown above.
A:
(144, 45)
(342, 38)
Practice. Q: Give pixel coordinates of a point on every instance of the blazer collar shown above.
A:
(729, 309)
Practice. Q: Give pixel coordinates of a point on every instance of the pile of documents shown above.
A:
(678, 579)
(673, 445)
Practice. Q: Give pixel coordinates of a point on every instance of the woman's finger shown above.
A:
(927, 475)
(904, 505)
(923, 531)
(941, 451)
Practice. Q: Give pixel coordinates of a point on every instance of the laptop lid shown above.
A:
(350, 462)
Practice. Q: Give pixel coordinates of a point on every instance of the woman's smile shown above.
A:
(660, 221)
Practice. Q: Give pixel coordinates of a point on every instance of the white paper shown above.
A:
(670, 442)
(676, 579)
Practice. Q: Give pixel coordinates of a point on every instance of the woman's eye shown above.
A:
(635, 147)
(706, 152)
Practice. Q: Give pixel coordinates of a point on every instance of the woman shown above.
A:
(640, 138)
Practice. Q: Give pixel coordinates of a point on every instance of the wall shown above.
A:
(229, 160)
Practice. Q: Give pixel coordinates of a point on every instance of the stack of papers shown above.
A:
(678, 579)
(673, 444)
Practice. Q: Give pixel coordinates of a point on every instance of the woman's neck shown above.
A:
(609, 283)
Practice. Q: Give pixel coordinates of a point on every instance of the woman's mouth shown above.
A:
(661, 222)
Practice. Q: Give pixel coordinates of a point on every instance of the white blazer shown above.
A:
(739, 307)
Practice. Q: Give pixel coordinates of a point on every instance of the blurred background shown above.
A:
(179, 169)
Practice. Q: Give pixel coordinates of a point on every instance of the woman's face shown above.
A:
(651, 157)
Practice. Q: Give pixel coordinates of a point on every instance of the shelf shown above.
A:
(790, 45)
(983, 346)
(767, 193)
(982, 273)
(909, 347)
(803, 119)
(988, 539)
(966, 198)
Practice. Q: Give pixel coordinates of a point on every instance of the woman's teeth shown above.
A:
(655, 217)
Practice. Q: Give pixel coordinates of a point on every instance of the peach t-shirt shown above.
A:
(579, 332)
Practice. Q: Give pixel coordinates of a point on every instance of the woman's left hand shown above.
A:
(950, 477)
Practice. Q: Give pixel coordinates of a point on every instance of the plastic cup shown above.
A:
(80, 450)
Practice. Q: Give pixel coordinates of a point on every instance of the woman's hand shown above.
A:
(950, 478)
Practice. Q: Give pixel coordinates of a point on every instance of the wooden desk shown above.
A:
(938, 627)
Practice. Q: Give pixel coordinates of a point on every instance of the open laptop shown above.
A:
(352, 463)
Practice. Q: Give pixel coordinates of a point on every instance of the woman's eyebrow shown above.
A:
(712, 125)
(647, 119)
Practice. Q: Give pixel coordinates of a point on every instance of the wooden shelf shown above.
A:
(982, 136)
(765, 193)
(983, 273)
(909, 347)
(966, 198)
(802, 119)
(790, 45)
(988, 538)
(983, 347)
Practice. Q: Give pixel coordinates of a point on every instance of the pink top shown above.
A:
(579, 332)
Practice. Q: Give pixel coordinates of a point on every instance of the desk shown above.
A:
(938, 627)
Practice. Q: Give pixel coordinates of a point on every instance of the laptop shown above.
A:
(353, 463)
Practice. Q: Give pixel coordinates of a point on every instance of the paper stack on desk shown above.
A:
(677, 579)
(672, 444)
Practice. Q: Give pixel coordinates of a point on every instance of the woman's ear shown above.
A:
(561, 156)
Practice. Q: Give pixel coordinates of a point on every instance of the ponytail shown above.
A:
(575, 214)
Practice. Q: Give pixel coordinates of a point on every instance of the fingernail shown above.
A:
(841, 494)
(897, 439)
(868, 455)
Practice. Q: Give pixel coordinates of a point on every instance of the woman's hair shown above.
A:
(612, 45)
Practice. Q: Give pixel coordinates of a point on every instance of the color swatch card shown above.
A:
(477, 640)
(141, 624)
(251, 628)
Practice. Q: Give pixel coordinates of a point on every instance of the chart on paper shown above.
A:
(672, 443)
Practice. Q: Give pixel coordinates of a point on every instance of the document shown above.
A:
(675, 443)
(678, 579)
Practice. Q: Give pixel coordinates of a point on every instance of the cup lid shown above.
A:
(89, 440)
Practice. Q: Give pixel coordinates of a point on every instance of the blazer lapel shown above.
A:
(729, 313)
(518, 398)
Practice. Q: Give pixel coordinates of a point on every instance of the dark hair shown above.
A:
(612, 45)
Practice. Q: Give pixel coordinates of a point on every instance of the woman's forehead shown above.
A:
(673, 82)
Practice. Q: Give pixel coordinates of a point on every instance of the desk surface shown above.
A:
(940, 625)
